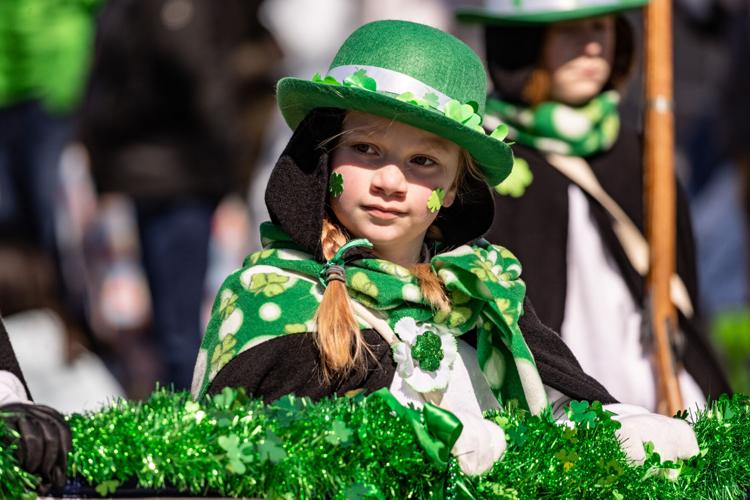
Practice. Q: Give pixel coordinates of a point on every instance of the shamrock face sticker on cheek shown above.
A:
(336, 184)
(435, 201)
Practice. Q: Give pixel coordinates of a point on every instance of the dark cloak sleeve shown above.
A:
(8, 361)
(289, 365)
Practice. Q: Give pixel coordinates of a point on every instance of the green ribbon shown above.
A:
(338, 258)
(436, 429)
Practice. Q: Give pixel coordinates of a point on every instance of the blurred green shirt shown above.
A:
(45, 47)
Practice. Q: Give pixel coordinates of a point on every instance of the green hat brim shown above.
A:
(483, 16)
(297, 97)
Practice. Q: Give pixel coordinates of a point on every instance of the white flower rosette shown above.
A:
(409, 368)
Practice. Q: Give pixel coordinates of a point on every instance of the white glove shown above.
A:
(672, 438)
(480, 445)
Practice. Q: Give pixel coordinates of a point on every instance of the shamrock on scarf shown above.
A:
(424, 356)
(223, 353)
(269, 284)
(519, 179)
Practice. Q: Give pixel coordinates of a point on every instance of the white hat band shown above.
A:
(391, 81)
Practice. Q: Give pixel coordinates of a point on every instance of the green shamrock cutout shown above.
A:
(360, 491)
(459, 112)
(340, 434)
(237, 454)
(360, 79)
(336, 184)
(582, 414)
(518, 435)
(431, 100)
(428, 350)
(435, 201)
(568, 458)
(328, 80)
(270, 449)
(106, 488)
(519, 179)
(500, 132)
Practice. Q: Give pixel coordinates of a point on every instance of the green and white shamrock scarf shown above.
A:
(553, 127)
(278, 292)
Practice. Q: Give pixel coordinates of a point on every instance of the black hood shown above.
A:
(297, 190)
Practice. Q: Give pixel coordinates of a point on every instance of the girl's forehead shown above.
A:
(359, 123)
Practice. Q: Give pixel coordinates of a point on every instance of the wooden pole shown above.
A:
(661, 196)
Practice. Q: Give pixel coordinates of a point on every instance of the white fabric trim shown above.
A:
(602, 324)
(11, 389)
(391, 81)
(535, 6)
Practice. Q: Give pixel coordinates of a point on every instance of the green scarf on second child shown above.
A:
(553, 127)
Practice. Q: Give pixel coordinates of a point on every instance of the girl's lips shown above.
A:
(382, 212)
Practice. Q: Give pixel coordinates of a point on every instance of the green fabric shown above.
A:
(553, 127)
(45, 47)
(436, 429)
(426, 54)
(524, 16)
(278, 292)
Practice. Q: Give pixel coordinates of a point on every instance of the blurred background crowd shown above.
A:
(136, 137)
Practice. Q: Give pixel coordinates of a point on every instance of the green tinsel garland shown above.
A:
(356, 448)
(14, 481)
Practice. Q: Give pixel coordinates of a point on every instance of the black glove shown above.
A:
(44, 442)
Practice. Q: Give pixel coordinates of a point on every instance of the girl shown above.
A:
(558, 94)
(371, 275)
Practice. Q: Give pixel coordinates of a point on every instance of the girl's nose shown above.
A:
(389, 180)
(593, 48)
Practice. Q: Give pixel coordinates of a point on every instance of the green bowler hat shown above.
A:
(517, 12)
(411, 73)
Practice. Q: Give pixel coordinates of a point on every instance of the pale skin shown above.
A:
(389, 170)
(578, 55)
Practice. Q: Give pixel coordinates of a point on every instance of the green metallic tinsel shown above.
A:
(14, 481)
(231, 445)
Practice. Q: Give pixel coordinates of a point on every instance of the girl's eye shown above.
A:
(423, 161)
(365, 149)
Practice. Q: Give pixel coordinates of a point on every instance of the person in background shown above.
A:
(557, 91)
(177, 100)
(44, 55)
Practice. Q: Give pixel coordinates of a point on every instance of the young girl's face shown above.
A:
(578, 55)
(389, 170)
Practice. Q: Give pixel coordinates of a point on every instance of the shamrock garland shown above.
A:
(230, 445)
(463, 113)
